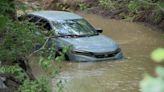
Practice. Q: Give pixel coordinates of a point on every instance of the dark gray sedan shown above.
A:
(87, 43)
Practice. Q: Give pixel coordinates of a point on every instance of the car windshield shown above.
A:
(77, 27)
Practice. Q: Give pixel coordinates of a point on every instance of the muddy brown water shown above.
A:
(136, 40)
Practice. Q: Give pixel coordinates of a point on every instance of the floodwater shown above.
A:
(136, 40)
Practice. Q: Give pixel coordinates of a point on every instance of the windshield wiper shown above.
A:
(92, 34)
(88, 35)
(71, 35)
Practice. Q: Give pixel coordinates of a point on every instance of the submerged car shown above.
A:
(87, 42)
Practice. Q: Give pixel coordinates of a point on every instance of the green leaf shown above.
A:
(161, 4)
(158, 55)
(41, 59)
(151, 84)
(160, 71)
(133, 6)
(3, 21)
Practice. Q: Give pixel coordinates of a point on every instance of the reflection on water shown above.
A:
(136, 41)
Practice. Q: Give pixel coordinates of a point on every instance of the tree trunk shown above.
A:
(24, 64)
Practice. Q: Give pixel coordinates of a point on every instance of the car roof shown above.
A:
(56, 15)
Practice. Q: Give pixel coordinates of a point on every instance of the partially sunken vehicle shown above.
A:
(87, 43)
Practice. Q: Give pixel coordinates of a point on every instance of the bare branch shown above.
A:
(43, 46)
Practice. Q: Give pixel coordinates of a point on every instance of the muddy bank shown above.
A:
(114, 9)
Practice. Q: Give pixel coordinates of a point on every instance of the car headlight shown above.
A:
(82, 52)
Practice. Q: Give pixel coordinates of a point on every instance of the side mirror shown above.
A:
(99, 30)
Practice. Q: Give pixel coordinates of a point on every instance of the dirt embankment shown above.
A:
(114, 9)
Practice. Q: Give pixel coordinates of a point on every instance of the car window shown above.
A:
(45, 24)
(41, 23)
(33, 19)
(74, 27)
(29, 18)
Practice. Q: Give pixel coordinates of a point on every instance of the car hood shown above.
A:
(99, 43)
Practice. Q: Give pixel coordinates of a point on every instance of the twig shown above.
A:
(41, 47)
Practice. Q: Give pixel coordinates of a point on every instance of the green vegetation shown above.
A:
(14, 70)
(107, 4)
(154, 84)
(158, 55)
(83, 6)
(39, 85)
(17, 42)
(155, 10)
(18, 38)
(134, 10)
